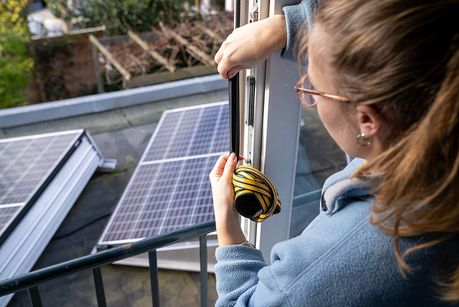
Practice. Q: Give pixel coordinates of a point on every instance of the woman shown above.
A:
(385, 81)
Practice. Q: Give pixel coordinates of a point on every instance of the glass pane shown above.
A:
(318, 158)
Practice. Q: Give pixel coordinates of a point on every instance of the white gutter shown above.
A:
(41, 112)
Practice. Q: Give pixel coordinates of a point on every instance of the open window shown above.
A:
(287, 143)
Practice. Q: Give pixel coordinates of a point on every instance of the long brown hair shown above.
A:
(402, 57)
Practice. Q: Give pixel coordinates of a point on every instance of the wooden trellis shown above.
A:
(193, 50)
(155, 55)
(170, 70)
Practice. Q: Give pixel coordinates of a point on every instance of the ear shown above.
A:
(369, 120)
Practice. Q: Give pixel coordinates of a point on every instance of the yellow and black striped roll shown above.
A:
(255, 196)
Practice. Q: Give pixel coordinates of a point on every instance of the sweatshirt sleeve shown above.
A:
(238, 284)
(296, 18)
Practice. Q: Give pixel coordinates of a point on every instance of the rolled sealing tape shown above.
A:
(256, 197)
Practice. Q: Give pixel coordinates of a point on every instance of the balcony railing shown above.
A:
(93, 262)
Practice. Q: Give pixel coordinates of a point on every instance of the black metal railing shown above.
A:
(94, 262)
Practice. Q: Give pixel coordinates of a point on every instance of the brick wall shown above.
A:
(64, 66)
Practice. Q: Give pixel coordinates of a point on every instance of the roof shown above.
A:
(120, 133)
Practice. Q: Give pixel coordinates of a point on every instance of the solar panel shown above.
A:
(170, 187)
(26, 163)
(41, 178)
(190, 132)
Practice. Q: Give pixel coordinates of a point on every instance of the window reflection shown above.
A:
(318, 158)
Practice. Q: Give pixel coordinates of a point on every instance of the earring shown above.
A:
(363, 140)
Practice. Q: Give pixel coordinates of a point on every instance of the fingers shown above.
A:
(227, 71)
(223, 68)
(233, 71)
(229, 167)
(218, 56)
(227, 67)
(217, 171)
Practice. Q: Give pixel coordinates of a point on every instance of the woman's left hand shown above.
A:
(226, 217)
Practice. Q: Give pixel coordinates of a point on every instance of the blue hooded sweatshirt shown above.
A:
(340, 259)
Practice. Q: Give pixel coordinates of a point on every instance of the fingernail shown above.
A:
(233, 156)
(232, 74)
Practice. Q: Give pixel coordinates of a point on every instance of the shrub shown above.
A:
(118, 15)
(16, 64)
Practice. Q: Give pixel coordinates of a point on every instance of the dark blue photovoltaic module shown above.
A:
(170, 188)
(190, 132)
(25, 165)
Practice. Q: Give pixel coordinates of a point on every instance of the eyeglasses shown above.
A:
(306, 93)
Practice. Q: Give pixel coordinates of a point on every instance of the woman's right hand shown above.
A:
(250, 44)
(226, 217)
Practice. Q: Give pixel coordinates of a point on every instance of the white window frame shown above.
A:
(272, 144)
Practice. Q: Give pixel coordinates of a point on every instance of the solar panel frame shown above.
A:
(44, 182)
(145, 160)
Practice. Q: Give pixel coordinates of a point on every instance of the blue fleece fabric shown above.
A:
(340, 259)
(296, 17)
